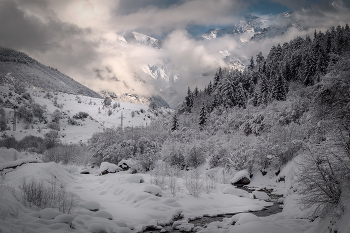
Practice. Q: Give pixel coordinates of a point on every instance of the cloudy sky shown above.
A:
(81, 36)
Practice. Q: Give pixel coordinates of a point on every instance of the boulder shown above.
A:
(241, 178)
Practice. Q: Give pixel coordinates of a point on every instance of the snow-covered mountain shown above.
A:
(244, 28)
(257, 27)
(138, 38)
(18, 66)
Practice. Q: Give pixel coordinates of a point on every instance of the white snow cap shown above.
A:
(152, 189)
(110, 167)
(239, 175)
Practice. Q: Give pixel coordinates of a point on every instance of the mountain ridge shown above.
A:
(17, 66)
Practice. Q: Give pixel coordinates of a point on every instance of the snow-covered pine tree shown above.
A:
(217, 78)
(202, 117)
(279, 91)
(175, 123)
(196, 92)
(251, 64)
(189, 100)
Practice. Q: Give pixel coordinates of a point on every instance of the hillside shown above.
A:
(71, 127)
(17, 66)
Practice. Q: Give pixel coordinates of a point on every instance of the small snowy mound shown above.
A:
(234, 191)
(97, 228)
(49, 213)
(107, 167)
(243, 218)
(126, 164)
(281, 200)
(103, 214)
(120, 223)
(261, 196)
(152, 189)
(135, 179)
(123, 230)
(72, 169)
(183, 225)
(241, 178)
(90, 205)
(64, 218)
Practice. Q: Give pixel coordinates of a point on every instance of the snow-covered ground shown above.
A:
(118, 202)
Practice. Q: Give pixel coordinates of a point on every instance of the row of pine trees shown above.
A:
(267, 79)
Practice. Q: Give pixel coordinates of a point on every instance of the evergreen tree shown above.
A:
(175, 123)
(202, 117)
(195, 92)
(209, 88)
(251, 64)
(189, 100)
(279, 89)
(3, 124)
(217, 77)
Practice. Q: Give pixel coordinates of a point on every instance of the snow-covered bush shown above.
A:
(54, 126)
(3, 125)
(194, 183)
(195, 156)
(72, 121)
(38, 111)
(56, 116)
(32, 143)
(51, 139)
(42, 195)
(24, 112)
(81, 115)
(107, 101)
(19, 87)
(173, 152)
(66, 154)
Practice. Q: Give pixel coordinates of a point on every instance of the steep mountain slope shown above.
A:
(135, 37)
(244, 28)
(17, 66)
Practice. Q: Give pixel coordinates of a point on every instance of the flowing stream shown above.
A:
(202, 222)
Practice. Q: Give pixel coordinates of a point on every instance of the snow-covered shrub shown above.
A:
(51, 139)
(24, 112)
(116, 105)
(9, 142)
(27, 96)
(81, 115)
(194, 183)
(42, 195)
(38, 111)
(66, 154)
(166, 177)
(109, 112)
(195, 156)
(107, 101)
(147, 153)
(48, 95)
(19, 87)
(209, 182)
(56, 116)
(72, 121)
(54, 126)
(3, 125)
(173, 152)
(32, 143)
(217, 158)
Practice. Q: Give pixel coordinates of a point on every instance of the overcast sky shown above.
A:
(82, 35)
